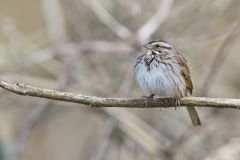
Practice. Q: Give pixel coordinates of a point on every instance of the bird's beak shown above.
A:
(148, 46)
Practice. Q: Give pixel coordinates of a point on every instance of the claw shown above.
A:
(151, 96)
(146, 98)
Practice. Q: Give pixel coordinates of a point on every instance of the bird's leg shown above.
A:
(148, 97)
(177, 103)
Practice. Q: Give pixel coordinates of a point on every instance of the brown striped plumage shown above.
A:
(163, 71)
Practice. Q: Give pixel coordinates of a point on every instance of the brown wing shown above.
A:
(189, 87)
(185, 72)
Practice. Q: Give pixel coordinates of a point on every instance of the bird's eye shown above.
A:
(157, 45)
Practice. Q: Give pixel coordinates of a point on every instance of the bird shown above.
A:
(163, 71)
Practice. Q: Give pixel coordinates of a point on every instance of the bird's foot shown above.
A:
(146, 98)
(151, 96)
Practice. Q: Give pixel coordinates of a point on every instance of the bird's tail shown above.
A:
(194, 116)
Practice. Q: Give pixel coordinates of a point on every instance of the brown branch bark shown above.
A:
(27, 90)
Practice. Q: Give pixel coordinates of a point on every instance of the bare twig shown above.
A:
(138, 130)
(26, 127)
(43, 55)
(54, 18)
(102, 46)
(151, 26)
(24, 89)
(105, 139)
(219, 58)
(230, 150)
(107, 19)
(37, 111)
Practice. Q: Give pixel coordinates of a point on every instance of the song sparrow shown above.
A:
(164, 72)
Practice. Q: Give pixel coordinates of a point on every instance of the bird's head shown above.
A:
(160, 47)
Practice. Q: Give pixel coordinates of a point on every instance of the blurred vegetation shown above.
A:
(90, 47)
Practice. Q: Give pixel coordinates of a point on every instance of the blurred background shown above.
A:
(90, 47)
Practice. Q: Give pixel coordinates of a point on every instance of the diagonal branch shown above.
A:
(24, 89)
(220, 57)
(151, 26)
(107, 19)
